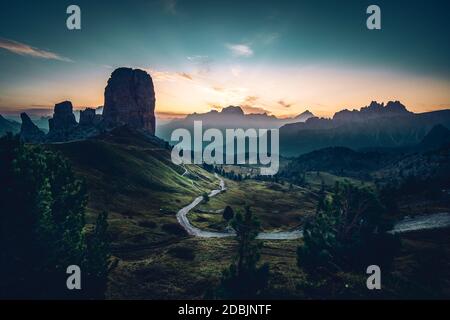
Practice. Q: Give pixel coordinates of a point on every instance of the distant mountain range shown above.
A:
(374, 110)
(374, 126)
(414, 160)
(229, 117)
(8, 126)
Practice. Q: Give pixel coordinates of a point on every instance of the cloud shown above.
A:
(26, 50)
(170, 115)
(236, 71)
(250, 99)
(169, 76)
(240, 50)
(285, 104)
(214, 106)
(186, 75)
(219, 89)
(249, 106)
(268, 38)
(170, 6)
(202, 62)
(254, 110)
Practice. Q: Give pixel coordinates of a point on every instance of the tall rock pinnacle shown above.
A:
(130, 100)
(63, 122)
(29, 132)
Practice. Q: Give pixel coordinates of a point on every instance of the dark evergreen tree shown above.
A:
(42, 222)
(347, 232)
(228, 213)
(244, 279)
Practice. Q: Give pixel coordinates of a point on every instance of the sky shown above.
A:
(279, 57)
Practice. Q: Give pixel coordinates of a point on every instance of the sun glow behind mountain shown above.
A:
(266, 57)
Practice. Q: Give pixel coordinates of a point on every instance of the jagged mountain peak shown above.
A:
(373, 110)
(29, 132)
(235, 110)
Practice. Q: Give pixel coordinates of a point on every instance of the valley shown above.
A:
(156, 258)
(350, 191)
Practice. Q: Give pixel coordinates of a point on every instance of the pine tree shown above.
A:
(340, 235)
(244, 279)
(228, 213)
(42, 207)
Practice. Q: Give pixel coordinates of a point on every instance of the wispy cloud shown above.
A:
(186, 75)
(268, 38)
(240, 50)
(170, 6)
(27, 50)
(170, 115)
(203, 63)
(285, 104)
(236, 71)
(168, 75)
(249, 106)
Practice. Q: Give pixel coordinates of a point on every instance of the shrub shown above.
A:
(147, 224)
(185, 253)
(174, 228)
(228, 213)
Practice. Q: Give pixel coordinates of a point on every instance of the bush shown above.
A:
(228, 213)
(147, 224)
(346, 233)
(174, 228)
(185, 253)
(244, 279)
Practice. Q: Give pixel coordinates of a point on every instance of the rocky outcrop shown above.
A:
(63, 122)
(88, 118)
(130, 100)
(64, 127)
(29, 132)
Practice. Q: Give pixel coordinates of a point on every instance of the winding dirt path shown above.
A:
(432, 221)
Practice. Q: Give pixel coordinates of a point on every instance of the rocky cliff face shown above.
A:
(130, 100)
(64, 127)
(63, 122)
(29, 132)
(88, 118)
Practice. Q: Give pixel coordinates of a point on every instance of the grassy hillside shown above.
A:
(279, 206)
(8, 126)
(133, 178)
